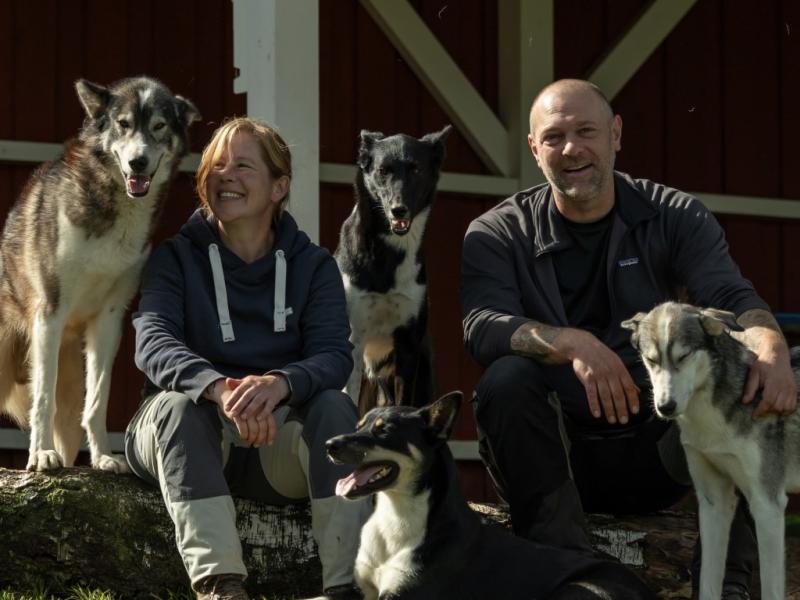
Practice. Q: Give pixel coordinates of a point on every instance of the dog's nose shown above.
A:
(138, 164)
(398, 212)
(668, 408)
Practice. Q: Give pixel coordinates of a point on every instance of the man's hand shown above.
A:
(607, 382)
(249, 403)
(610, 389)
(770, 372)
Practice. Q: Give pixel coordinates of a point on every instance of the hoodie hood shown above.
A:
(289, 241)
(202, 232)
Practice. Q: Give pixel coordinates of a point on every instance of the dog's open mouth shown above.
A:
(400, 226)
(367, 479)
(137, 185)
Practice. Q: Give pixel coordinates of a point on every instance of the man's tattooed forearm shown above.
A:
(535, 340)
(757, 317)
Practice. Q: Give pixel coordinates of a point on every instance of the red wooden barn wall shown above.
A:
(710, 111)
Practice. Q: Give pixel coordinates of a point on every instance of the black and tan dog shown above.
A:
(424, 542)
(380, 257)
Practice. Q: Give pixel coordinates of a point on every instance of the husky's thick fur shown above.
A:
(380, 257)
(698, 372)
(72, 252)
(423, 542)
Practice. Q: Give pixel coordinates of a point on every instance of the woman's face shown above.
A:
(240, 187)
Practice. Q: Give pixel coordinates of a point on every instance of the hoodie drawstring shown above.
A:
(281, 311)
(221, 293)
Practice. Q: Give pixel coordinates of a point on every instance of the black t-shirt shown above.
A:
(581, 274)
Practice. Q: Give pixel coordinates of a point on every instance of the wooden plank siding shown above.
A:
(709, 111)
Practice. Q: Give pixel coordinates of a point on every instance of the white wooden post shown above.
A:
(276, 49)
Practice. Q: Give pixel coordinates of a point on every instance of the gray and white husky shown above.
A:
(698, 371)
(72, 252)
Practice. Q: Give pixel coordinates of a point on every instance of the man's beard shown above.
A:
(580, 192)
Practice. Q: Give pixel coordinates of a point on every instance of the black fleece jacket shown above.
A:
(665, 245)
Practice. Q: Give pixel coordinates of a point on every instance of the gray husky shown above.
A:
(383, 269)
(698, 373)
(72, 252)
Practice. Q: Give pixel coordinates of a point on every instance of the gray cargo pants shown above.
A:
(195, 455)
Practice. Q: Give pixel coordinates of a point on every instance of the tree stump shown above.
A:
(84, 527)
(80, 527)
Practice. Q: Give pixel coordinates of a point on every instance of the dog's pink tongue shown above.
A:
(138, 184)
(345, 485)
(356, 479)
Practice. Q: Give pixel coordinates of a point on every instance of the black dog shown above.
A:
(424, 542)
(380, 257)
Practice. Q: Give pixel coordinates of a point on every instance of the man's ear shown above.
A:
(616, 133)
(534, 149)
(441, 414)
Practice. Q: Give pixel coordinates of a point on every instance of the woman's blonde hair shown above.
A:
(274, 152)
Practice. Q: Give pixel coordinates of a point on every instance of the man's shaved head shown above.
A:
(567, 87)
(575, 137)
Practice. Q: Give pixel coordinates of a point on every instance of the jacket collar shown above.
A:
(550, 232)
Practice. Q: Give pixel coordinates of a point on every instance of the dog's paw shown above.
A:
(113, 463)
(44, 460)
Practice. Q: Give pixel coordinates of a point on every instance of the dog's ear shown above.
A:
(632, 324)
(441, 414)
(368, 139)
(186, 112)
(437, 140)
(93, 97)
(715, 321)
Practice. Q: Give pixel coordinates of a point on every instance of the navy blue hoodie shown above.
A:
(179, 337)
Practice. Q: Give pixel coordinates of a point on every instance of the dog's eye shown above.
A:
(123, 124)
(384, 171)
(681, 358)
(158, 126)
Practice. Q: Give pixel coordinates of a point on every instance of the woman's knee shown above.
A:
(331, 411)
(176, 413)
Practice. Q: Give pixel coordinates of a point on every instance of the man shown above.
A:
(562, 409)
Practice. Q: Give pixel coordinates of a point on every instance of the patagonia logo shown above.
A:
(629, 262)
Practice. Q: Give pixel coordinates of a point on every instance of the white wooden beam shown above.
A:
(13, 151)
(751, 206)
(525, 63)
(17, 439)
(38, 152)
(276, 49)
(444, 80)
(636, 46)
(461, 183)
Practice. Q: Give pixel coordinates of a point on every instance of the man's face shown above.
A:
(575, 141)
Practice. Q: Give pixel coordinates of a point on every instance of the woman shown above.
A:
(242, 332)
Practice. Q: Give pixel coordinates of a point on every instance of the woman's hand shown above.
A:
(249, 403)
